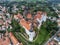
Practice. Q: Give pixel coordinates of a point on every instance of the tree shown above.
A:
(51, 25)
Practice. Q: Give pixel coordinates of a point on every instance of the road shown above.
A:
(52, 37)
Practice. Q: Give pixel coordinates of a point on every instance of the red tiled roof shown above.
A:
(37, 16)
(25, 24)
(19, 15)
(39, 12)
(4, 42)
(14, 40)
(29, 16)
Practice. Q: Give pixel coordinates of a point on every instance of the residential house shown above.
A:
(40, 17)
(14, 40)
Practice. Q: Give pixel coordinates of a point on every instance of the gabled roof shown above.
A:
(25, 24)
(13, 39)
(18, 16)
(4, 42)
(38, 15)
(29, 16)
(39, 12)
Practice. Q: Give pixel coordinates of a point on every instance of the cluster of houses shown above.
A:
(55, 40)
(27, 23)
(58, 12)
(5, 24)
(8, 39)
(31, 21)
(5, 19)
(58, 19)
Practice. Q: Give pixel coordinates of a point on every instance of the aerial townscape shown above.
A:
(29, 22)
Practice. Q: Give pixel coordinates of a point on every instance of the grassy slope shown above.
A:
(43, 34)
(42, 37)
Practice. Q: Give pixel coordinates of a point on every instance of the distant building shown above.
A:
(58, 21)
(55, 40)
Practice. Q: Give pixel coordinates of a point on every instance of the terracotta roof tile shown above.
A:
(25, 24)
(19, 15)
(4, 42)
(29, 16)
(37, 16)
(39, 12)
(14, 40)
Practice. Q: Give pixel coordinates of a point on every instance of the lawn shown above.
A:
(42, 36)
(20, 38)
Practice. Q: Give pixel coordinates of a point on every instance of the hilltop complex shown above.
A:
(29, 23)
